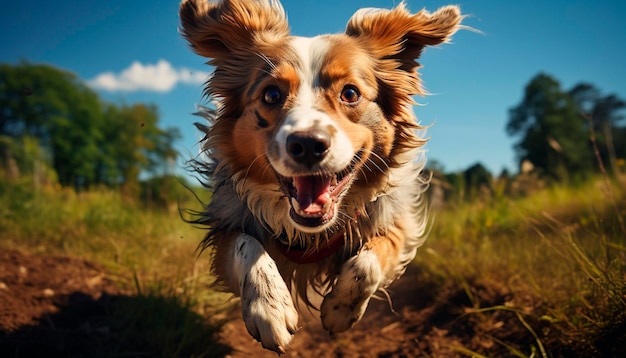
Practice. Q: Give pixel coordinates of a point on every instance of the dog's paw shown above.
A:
(267, 307)
(346, 303)
(272, 324)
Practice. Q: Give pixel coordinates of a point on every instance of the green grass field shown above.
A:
(559, 255)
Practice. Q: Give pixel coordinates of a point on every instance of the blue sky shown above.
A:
(130, 51)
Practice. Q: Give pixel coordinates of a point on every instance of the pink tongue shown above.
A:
(312, 192)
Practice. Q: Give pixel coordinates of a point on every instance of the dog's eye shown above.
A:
(350, 94)
(272, 95)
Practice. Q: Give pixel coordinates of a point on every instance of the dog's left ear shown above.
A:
(217, 29)
(398, 34)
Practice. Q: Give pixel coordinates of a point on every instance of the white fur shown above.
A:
(267, 307)
(359, 278)
(311, 52)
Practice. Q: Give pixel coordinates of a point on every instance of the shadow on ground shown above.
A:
(62, 307)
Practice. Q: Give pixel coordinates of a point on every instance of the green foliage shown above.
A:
(88, 141)
(55, 107)
(467, 185)
(165, 192)
(605, 114)
(24, 156)
(553, 133)
(553, 127)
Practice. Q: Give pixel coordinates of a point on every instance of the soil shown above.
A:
(60, 307)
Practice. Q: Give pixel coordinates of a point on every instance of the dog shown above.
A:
(313, 156)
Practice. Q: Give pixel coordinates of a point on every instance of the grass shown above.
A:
(98, 225)
(558, 256)
(560, 253)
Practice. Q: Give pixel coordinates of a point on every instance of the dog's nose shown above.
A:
(308, 147)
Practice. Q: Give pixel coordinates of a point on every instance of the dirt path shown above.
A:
(383, 332)
(61, 307)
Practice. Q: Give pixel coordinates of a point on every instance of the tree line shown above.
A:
(561, 136)
(53, 125)
(51, 122)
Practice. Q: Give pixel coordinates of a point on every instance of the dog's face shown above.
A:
(321, 119)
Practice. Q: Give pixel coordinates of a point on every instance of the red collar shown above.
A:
(309, 256)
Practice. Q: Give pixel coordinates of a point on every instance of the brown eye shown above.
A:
(272, 96)
(350, 94)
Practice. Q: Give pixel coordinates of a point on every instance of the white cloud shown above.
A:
(159, 77)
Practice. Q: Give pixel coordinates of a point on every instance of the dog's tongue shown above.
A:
(312, 192)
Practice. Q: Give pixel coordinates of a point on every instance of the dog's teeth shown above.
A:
(295, 205)
(334, 181)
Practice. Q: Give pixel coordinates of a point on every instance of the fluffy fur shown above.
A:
(313, 157)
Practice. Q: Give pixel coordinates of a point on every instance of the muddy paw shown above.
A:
(357, 282)
(339, 316)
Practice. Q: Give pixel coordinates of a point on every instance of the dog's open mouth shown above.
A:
(313, 198)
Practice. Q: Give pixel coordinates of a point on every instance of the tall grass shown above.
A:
(97, 224)
(560, 253)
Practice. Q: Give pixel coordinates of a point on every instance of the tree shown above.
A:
(552, 132)
(89, 141)
(605, 114)
(477, 180)
(133, 143)
(58, 109)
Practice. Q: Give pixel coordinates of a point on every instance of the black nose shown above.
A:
(308, 147)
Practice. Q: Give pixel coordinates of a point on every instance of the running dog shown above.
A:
(313, 157)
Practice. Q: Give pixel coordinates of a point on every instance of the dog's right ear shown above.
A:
(397, 34)
(215, 30)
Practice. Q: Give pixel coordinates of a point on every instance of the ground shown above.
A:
(63, 307)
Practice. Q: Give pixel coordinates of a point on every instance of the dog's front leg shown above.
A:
(266, 303)
(359, 278)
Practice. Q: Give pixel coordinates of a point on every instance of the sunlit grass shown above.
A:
(156, 246)
(560, 253)
(96, 224)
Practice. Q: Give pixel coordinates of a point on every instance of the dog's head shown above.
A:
(321, 120)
